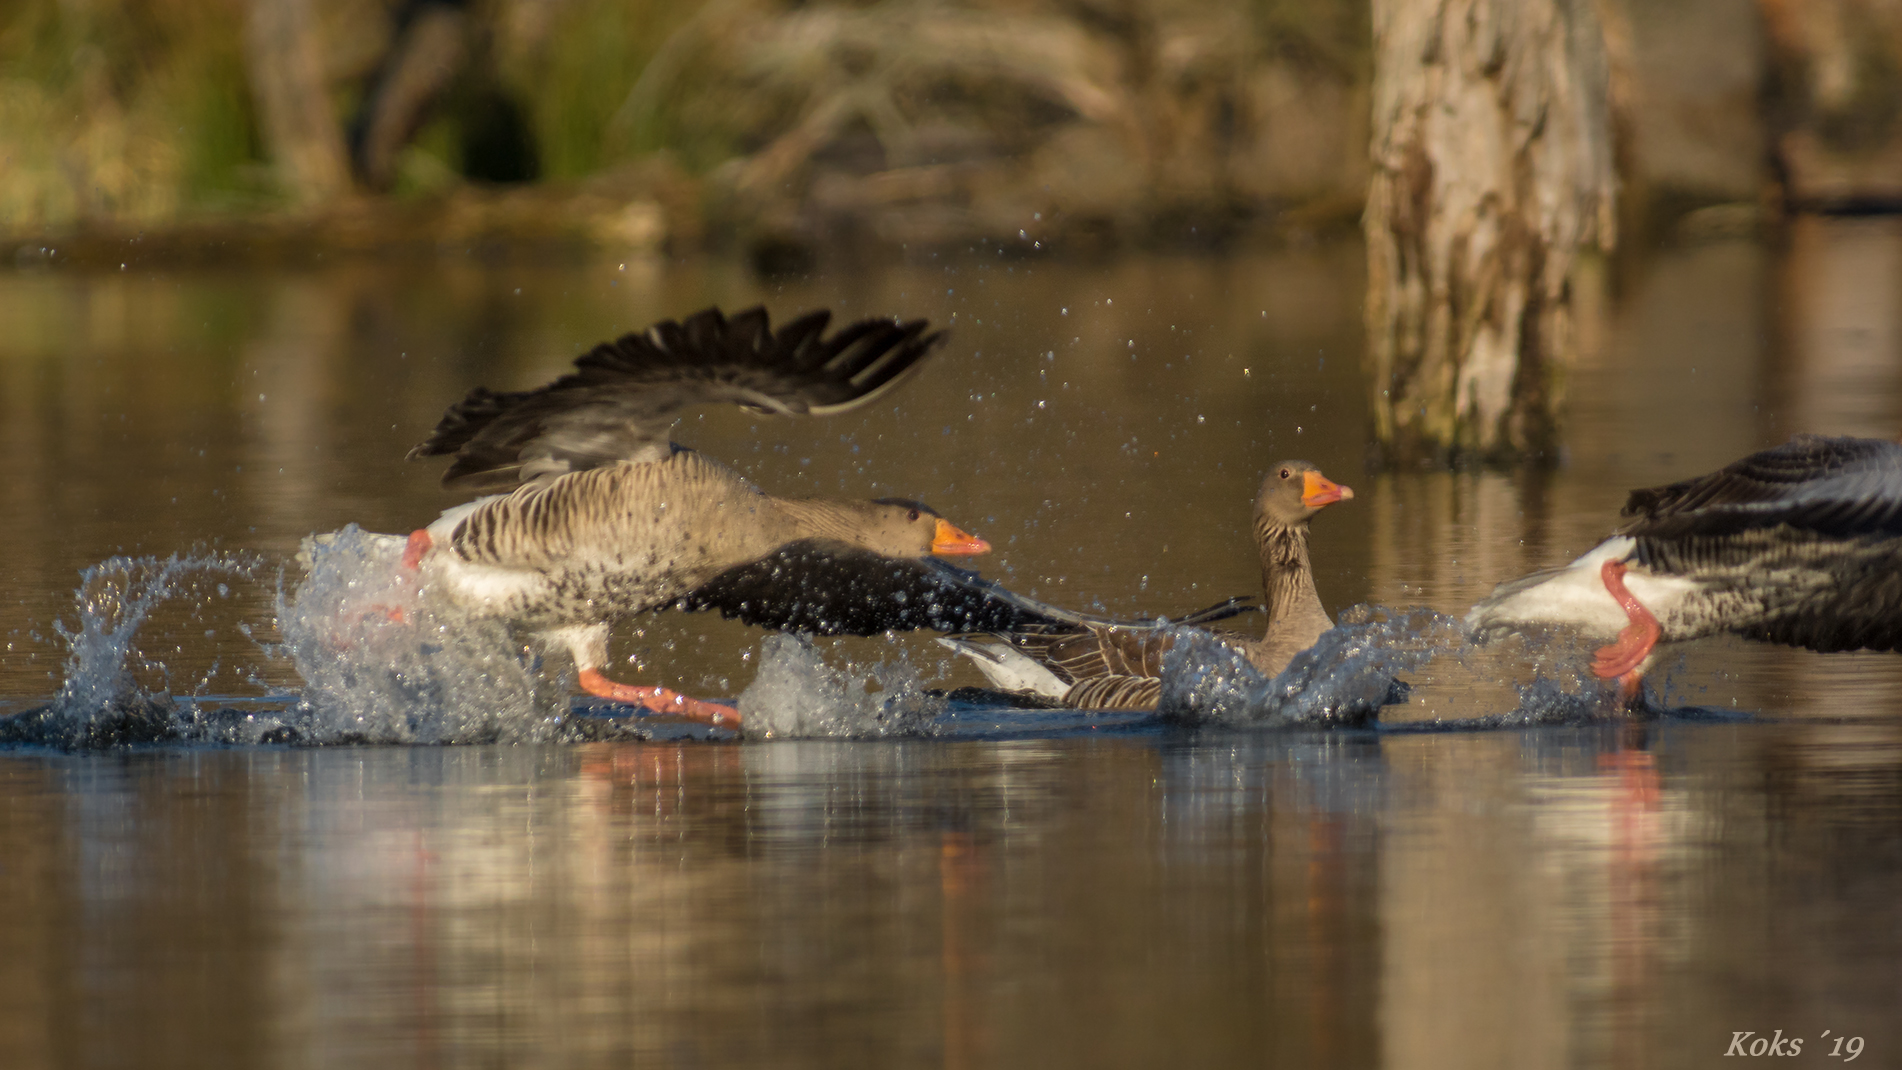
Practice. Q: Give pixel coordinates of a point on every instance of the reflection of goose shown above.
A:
(603, 517)
(1800, 544)
(1100, 665)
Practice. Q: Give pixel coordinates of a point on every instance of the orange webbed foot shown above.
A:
(661, 700)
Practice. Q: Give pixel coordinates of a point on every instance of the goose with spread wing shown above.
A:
(1800, 544)
(1095, 664)
(593, 514)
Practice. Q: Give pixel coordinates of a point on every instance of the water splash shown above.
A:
(362, 653)
(383, 661)
(1403, 671)
(796, 695)
(118, 598)
(1344, 679)
(114, 691)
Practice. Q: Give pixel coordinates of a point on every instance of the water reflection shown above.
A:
(1841, 289)
(1522, 899)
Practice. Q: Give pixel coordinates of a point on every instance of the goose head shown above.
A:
(900, 527)
(1294, 491)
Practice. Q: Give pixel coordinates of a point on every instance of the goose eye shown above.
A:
(914, 514)
(1285, 473)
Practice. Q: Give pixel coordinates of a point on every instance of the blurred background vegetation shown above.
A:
(777, 124)
(781, 127)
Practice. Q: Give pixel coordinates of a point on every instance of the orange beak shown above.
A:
(1318, 490)
(948, 541)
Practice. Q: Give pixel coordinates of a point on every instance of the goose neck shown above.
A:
(1287, 578)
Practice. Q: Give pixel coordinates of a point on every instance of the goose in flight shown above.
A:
(593, 514)
(1800, 544)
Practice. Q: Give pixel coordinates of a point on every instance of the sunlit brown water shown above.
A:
(1597, 895)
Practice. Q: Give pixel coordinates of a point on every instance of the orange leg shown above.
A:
(661, 700)
(1622, 658)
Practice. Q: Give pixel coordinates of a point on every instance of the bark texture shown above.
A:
(1493, 170)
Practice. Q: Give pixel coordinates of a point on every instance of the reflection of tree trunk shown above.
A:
(1836, 100)
(291, 367)
(1492, 157)
(1840, 372)
(300, 131)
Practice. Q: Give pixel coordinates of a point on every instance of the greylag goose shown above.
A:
(600, 516)
(1095, 664)
(1800, 544)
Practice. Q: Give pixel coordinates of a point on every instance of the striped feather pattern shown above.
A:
(1115, 693)
(1800, 544)
(609, 541)
(1087, 650)
(1786, 585)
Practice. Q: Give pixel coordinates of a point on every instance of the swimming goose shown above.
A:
(1113, 665)
(1800, 544)
(600, 516)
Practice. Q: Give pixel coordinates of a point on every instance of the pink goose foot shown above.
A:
(1622, 658)
(661, 700)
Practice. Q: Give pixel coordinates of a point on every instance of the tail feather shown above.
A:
(1009, 669)
(1572, 594)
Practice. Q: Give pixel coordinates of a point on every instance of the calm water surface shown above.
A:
(1583, 895)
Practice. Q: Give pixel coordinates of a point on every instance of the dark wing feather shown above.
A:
(1840, 487)
(624, 395)
(826, 587)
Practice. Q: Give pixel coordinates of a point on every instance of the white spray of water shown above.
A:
(1373, 659)
(385, 662)
(381, 661)
(796, 695)
(115, 599)
(1349, 673)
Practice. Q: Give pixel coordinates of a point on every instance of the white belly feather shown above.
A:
(1575, 595)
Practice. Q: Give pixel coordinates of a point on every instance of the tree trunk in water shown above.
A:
(300, 128)
(1493, 170)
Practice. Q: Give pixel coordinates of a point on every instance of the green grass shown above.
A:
(122, 110)
(580, 79)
